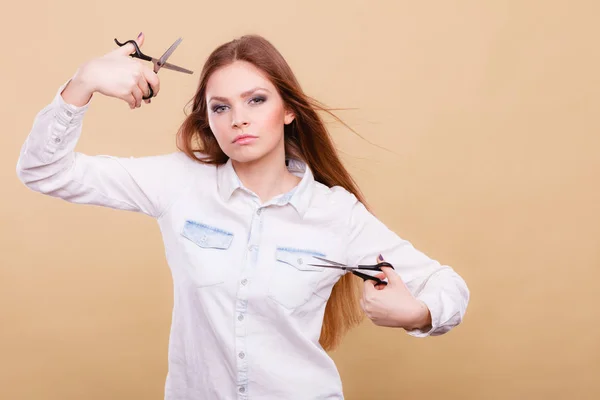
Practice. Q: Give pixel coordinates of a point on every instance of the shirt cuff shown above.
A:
(68, 110)
(434, 302)
(66, 118)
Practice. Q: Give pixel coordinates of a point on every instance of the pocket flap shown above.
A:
(207, 236)
(299, 259)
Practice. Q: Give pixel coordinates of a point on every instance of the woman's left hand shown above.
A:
(393, 305)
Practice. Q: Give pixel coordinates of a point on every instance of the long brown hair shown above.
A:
(306, 138)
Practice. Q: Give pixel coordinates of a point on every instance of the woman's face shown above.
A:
(245, 112)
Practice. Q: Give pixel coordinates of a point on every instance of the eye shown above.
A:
(218, 108)
(257, 100)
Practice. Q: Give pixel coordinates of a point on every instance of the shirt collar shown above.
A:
(299, 197)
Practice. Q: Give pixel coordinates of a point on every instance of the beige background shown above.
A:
(490, 109)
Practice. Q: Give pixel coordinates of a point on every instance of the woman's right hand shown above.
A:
(115, 74)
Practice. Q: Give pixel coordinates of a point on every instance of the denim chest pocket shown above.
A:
(206, 249)
(293, 279)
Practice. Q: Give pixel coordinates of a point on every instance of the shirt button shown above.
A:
(57, 140)
(259, 211)
(244, 282)
(242, 355)
(240, 317)
(242, 389)
(69, 113)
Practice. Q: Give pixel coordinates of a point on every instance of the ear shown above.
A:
(289, 117)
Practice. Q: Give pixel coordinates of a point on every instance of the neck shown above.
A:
(267, 177)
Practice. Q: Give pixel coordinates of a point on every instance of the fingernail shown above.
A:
(380, 257)
(140, 35)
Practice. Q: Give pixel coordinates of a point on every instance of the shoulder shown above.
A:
(167, 172)
(170, 175)
(178, 162)
(336, 198)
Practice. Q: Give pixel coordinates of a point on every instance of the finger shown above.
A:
(369, 288)
(129, 48)
(143, 85)
(130, 100)
(380, 286)
(390, 273)
(370, 282)
(152, 79)
(137, 94)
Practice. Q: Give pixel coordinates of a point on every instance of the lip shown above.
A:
(244, 139)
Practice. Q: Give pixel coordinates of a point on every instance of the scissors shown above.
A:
(376, 267)
(158, 63)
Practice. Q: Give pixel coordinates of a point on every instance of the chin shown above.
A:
(245, 154)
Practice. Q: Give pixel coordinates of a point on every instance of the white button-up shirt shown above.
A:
(248, 307)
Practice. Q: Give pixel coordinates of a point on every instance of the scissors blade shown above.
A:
(163, 59)
(330, 261)
(158, 65)
(334, 264)
(176, 68)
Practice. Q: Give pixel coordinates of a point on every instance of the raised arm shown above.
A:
(48, 163)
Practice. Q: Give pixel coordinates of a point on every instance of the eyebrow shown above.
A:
(246, 93)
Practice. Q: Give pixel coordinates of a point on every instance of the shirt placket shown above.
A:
(242, 303)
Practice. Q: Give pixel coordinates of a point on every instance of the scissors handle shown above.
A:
(138, 54)
(376, 267)
(369, 277)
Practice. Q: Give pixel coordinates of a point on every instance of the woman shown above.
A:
(255, 193)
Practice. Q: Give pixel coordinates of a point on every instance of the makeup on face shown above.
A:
(245, 112)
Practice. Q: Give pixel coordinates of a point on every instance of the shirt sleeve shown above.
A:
(443, 291)
(48, 164)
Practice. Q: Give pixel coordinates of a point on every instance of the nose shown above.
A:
(237, 124)
(239, 120)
